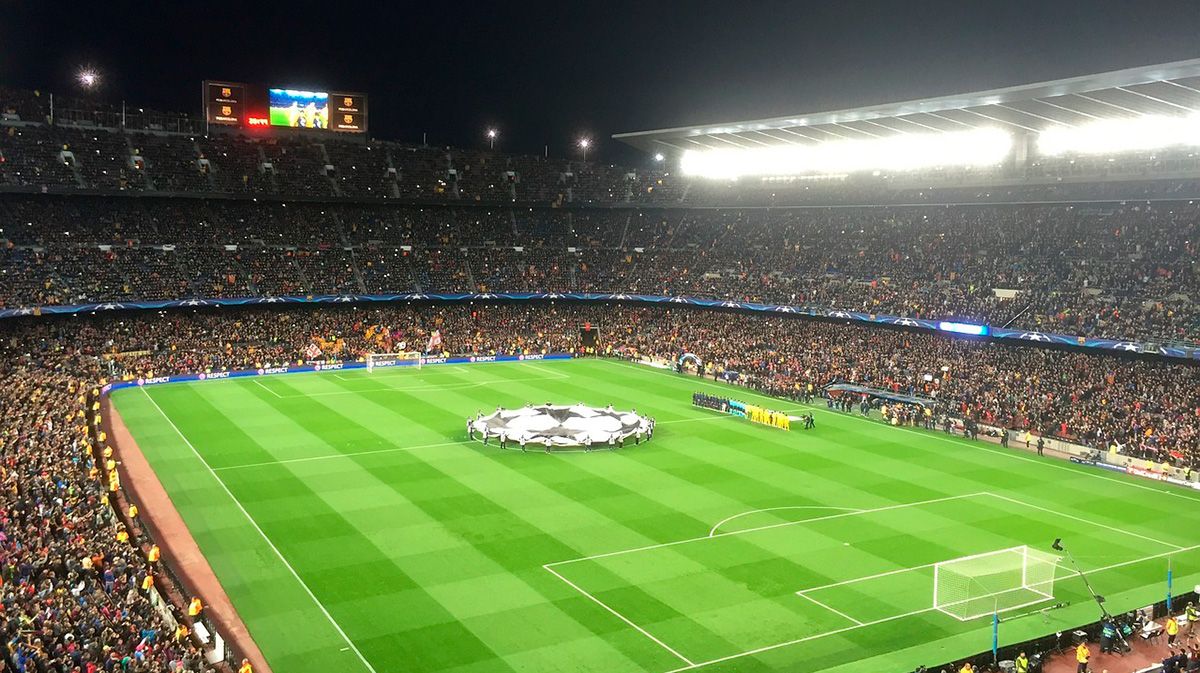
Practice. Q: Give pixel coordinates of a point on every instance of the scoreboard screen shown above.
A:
(238, 104)
(345, 112)
(299, 109)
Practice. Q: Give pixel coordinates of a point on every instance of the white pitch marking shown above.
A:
(768, 527)
(260, 385)
(891, 618)
(266, 539)
(620, 616)
(835, 611)
(722, 522)
(1087, 521)
(953, 440)
(391, 449)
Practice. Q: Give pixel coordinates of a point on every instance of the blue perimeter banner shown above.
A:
(955, 328)
(330, 367)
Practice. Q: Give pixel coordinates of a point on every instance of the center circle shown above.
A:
(552, 426)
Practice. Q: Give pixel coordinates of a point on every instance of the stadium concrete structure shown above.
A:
(1171, 89)
(202, 467)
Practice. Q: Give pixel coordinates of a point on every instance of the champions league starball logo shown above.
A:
(557, 426)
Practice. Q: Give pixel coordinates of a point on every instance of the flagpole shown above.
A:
(1169, 573)
(996, 634)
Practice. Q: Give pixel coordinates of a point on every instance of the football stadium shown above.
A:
(905, 386)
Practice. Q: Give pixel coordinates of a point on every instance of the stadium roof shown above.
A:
(1166, 89)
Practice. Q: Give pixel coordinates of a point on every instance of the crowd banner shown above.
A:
(967, 330)
(332, 366)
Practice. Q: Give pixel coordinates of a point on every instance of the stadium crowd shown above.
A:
(77, 581)
(1123, 272)
(87, 144)
(1144, 408)
(156, 210)
(76, 593)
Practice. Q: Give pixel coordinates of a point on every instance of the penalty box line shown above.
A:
(673, 543)
(892, 618)
(618, 615)
(549, 567)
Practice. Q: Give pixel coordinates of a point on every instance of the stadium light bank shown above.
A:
(978, 147)
(1112, 136)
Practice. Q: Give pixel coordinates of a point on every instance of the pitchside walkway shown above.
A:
(1145, 654)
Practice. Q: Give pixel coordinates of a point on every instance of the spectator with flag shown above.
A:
(435, 342)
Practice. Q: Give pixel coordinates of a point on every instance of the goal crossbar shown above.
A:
(405, 359)
(992, 582)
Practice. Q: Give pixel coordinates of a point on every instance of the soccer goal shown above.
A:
(998, 581)
(406, 359)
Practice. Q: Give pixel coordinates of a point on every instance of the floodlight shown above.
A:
(659, 156)
(1111, 136)
(978, 147)
(88, 78)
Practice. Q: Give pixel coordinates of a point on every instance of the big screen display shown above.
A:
(299, 109)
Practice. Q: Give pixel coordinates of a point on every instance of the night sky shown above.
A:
(547, 73)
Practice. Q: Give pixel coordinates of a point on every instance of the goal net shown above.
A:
(1008, 579)
(406, 359)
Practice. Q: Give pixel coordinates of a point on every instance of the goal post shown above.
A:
(997, 581)
(405, 359)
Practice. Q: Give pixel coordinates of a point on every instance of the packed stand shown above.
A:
(1139, 407)
(79, 578)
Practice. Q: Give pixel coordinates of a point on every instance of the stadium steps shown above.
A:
(262, 159)
(326, 161)
(77, 175)
(304, 280)
(358, 279)
(393, 178)
(130, 153)
(208, 175)
(466, 262)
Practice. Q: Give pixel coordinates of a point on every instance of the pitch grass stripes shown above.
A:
(1175, 492)
(380, 466)
(623, 618)
(893, 618)
(702, 538)
(321, 606)
(805, 593)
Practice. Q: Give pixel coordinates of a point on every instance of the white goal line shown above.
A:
(892, 618)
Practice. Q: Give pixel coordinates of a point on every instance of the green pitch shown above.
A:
(356, 530)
